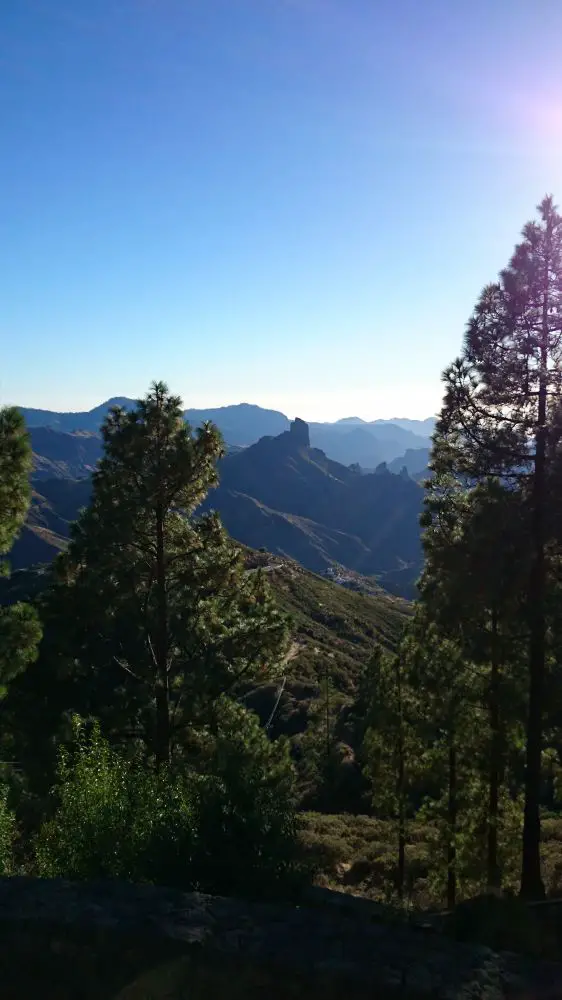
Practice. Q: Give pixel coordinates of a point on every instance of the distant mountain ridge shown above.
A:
(369, 523)
(415, 461)
(282, 494)
(349, 440)
(88, 420)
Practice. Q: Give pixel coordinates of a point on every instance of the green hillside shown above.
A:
(335, 622)
(335, 630)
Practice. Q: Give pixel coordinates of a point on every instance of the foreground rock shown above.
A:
(109, 940)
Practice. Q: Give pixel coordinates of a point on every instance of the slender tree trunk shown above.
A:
(401, 823)
(401, 790)
(327, 710)
(161, 651)
(452, 826)
(532, 886)
(493, 868)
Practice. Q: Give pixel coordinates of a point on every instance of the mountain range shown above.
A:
(280, 493)
(349, 440)
(289, 497)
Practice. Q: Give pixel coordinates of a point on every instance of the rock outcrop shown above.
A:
(300, 433)
(117, 940)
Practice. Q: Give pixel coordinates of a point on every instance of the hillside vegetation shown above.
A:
(334, 630)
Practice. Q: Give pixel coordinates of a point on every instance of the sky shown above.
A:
(293, 203)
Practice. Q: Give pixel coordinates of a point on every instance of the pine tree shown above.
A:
(390, 748)
(19, 626)
(500, 396)
(152, 597)
(442, 685)
(477, 604)
(318, 749)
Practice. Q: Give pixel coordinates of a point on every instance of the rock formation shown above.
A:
(106, 940)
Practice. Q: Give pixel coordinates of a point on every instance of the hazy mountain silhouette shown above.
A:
(89, 420)
(349, 440)
(282, 494)
(415, 461)
(242, 424)
(368, 523)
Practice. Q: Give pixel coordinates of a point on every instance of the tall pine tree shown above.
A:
(19, 626)
(477, 603)
(390, 749)
(499, 397)
(153, 605)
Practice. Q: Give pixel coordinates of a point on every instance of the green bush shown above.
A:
(114, 818)
(227, 826)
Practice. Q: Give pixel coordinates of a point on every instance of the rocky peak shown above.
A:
(299, 432)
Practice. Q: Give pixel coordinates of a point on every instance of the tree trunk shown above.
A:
(327, 711)
(163, 739)
(401, 825)
(493, 869)
(401, 791)
(452, 827)
(532, 886)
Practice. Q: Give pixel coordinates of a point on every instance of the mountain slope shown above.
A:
(415, 461)
(285, 496)
(47, 527)
(313, 545)
(354, 445)
(334, 632)
(368, 523)
(89, 420)
(424, 428)
(242, 424)
(68, 455)
(64, 455)
(368, 444)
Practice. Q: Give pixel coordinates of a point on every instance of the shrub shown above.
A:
(227, 826)
(115, 818)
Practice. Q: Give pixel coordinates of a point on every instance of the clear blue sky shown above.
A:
(288, 202)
